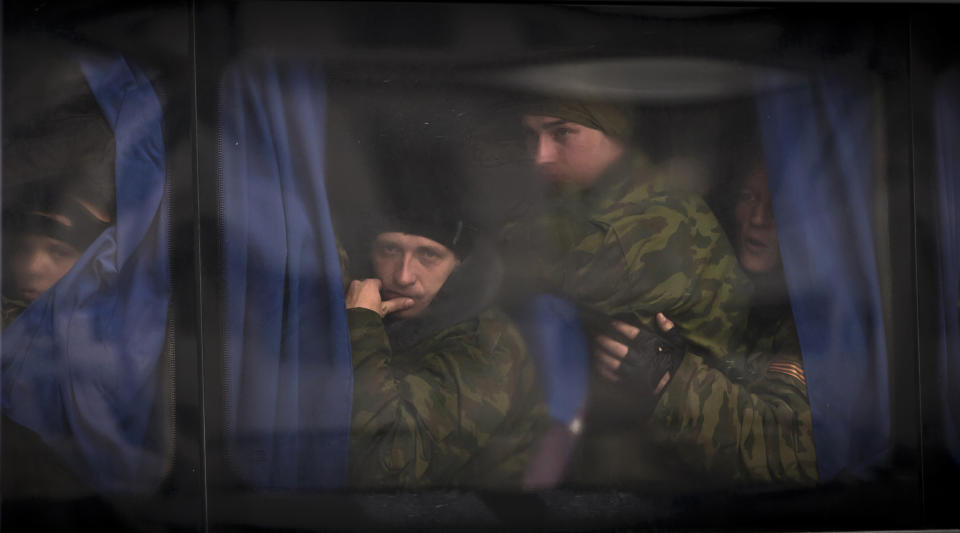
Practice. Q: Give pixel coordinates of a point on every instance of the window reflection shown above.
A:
(86, 277)
(550, 247)
(686, 369)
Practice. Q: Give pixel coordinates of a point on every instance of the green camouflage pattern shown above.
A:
(756, 430)
(11, 310)
(460, 409)
(631, 247)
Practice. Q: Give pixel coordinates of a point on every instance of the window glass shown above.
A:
(90, 328)
(948, 279)
(363, 265)
(935, 81)
(556, 253)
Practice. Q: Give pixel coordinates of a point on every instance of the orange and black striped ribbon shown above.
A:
(789, 368)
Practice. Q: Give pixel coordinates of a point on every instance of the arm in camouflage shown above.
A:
(463, 410)
(756, 431)
(657, 252)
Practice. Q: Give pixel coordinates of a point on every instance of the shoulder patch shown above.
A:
(788, 367)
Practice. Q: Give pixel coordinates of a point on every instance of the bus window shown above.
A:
(90, 328)
(662, 268)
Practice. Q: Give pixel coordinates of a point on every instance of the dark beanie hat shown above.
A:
(55, 137)
(615, 120)
(421, 184)
(29, 209)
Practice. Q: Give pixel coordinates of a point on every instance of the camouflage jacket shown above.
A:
(461, 407)
(631, 247)
(757, 428)
(718, 426)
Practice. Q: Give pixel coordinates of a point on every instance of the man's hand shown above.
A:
(609, 354)
(365, 294)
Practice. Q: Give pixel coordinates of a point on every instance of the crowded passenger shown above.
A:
(58, 169)
(58, 158)
(623, 243)
(86, 280)
(763, 426)
(445, 393)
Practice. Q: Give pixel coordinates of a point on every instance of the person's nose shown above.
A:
(36, 264)
(404, 275)
(762, 214)
(546, 150)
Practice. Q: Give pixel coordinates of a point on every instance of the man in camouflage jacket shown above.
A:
(445, 392)
(623, 245)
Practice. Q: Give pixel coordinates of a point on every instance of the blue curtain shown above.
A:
(818, 145)
(947, 113)
(82, 364)
(554, 335)
(288, 370)
(555, 338)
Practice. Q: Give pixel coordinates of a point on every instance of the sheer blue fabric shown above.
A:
(555, 338)
(82, 364)
(818, 145)
(947, 113)
(288, 370)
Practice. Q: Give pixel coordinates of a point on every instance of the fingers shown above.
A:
(665, 323)
(612, 347)
(608, 355)
(354, 287)
(394, 305)
(360, 285)
(626, 329)
(608, 361)
(663, 383)
(364, 294)
(608, 374)
(607, 366)
(353, 293)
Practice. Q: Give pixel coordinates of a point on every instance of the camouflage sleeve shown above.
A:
(435, 418)
(531, 248)
(757, 431)
(670, 257)
(12, 309)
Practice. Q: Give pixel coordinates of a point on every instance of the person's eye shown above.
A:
(746, 196)
(60, 251)
(388, 249)
(561, 133)
(428, 256)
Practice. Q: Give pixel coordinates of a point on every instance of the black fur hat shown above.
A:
(421, 181)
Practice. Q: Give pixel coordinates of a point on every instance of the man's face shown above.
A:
(569, 152)
(411, 266)
(38, 262)
(757, 243)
